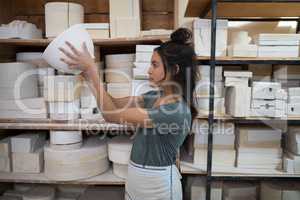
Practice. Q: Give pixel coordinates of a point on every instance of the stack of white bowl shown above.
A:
(43, 69)
(19, 92)
(118, 74)
(59, 16)
(141, 84)
(62, 93)
(76, 163)
(119, 149)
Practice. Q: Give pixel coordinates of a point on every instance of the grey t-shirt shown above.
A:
(158, 146)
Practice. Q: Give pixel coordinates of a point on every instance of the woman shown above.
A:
(163, 117)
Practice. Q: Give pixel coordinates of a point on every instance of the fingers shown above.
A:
(73, 49)
(85, 47)
(69, 62)
(68, 54)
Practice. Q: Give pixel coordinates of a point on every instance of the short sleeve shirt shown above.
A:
(158, 146)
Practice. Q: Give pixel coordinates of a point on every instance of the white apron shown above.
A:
(153, 183)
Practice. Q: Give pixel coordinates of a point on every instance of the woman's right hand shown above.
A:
(81, 60)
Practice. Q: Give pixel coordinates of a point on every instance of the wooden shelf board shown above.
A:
(227, 58)
(237, 172)
(248, 60)
(99, 125)
(47, 124)
(226, 117)
(107, 178)
(102, 42)
(239, 9)
(190, 168)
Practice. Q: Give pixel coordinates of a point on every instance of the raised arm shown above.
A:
(113, 110)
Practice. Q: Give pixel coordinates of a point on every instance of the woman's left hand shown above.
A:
(77, 59)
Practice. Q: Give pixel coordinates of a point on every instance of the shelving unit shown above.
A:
(47, 124)
(154, 16)
(241, 10)
(104, 42)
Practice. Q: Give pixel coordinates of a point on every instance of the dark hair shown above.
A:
(179, 60)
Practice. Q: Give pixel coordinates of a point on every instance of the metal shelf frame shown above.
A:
(213, 61)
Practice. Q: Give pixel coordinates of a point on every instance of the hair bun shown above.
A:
(182, 36)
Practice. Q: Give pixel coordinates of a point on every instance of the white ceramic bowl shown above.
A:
(76, 35)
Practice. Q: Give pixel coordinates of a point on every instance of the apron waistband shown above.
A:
(160, 168)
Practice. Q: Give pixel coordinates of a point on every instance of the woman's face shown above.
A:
(156, 71)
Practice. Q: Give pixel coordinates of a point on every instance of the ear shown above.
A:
(177, 69)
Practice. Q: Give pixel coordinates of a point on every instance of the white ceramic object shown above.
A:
(294, 91)
(202, 89)
(125, 27)
(265, 90)
(202, 34)
(259, 136)
(44, 72)
(64, 116)
(59, 16)
(119, 149)
(88, 161)
(62, 88)
(238, 74)
(34, 58)
(119, 90)
(242, 50)
(224, 136)
(88, 102)
(236, 82)
(120, 170)
(76, 35)
(5, 163)
(28, 162)
(140, 74)
(66, 147)
(202, 105)
(20, 29)
(156, 32)
(118, 75)
(23, 104)
(17, 73)
(119, 58)
(5, 148)
(19, 114)
(237, 101)
(203, 72)
(240, 38)
(145, 48)
(221, 157)
(143, 57)
(294, 109)
(273, 39)
(64, 107)
(97, 116)
(27, 143)
(65, 137)
(64, 110)
(278, 51)
(124, 18)
(97, 30)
